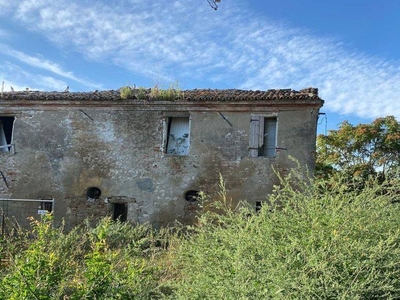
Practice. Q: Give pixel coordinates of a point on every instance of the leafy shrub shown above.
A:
(126, 92)
(174, 92)
(305, 243)
(311, 240)
(111, 261)
(36, 271)
(141, 93)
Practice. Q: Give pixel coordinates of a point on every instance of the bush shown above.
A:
(174, 92)
(304, 244)
(126, 92)
(311, 240)
(111, 261)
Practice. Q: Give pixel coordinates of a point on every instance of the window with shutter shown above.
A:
(178, 136)
(262, 136)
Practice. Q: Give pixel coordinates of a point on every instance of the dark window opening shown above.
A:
(6, 131)
(192, 196)
(177, 136)
(93, 193)
(263, 136)
(120, 212)
(268, 147)
(258, 206)
(46, 206)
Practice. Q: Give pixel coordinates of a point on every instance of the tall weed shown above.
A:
(111, 261)
(303, 244)
(310, 240)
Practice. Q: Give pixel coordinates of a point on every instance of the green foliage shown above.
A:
(306, 243)
(174, 92)
(35, 272)
(360, 151)
(126, 92)
(111, 261)
(311, 240)
(141, 93)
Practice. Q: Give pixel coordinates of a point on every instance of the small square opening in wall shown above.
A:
(258, 205)
(177, 135)
(46, 206)
(120, 212)
(6, 132)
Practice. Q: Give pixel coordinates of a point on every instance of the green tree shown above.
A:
(360, 151)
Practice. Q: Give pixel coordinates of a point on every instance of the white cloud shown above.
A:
(40, 62)
(7, 6)
(22, 79)
(234, 47)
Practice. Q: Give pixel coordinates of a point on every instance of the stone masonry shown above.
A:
(144, 160)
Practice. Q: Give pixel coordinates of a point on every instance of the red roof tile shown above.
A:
(187, 95)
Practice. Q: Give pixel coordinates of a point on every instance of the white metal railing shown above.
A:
(40, 211)
(27, 200)
(10, 148)
(4, 209)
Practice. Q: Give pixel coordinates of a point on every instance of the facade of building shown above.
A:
(144, 159)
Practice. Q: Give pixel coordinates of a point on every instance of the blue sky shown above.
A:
(349, 49)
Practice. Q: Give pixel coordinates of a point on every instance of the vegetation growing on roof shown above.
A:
(139, 93)
(173, 92)
(127, 92)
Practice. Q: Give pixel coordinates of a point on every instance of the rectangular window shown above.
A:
(177, 135)
(6, 131)
(46, 206)
(263, 136)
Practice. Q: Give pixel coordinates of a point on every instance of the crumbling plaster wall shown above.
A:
(61, 153)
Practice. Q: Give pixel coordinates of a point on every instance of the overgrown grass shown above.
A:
(111, 261)
(304, 244)
(127, 92)
(309, 241)
(172, 93)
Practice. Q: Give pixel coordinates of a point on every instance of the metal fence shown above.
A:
(16, 213)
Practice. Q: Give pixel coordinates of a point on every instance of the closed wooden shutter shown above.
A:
(254, 139)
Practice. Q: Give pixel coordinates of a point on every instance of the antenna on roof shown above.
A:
(213, 3)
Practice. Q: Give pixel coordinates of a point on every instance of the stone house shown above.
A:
(144, 159)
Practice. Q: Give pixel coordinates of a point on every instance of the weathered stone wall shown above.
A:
(61, 152)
